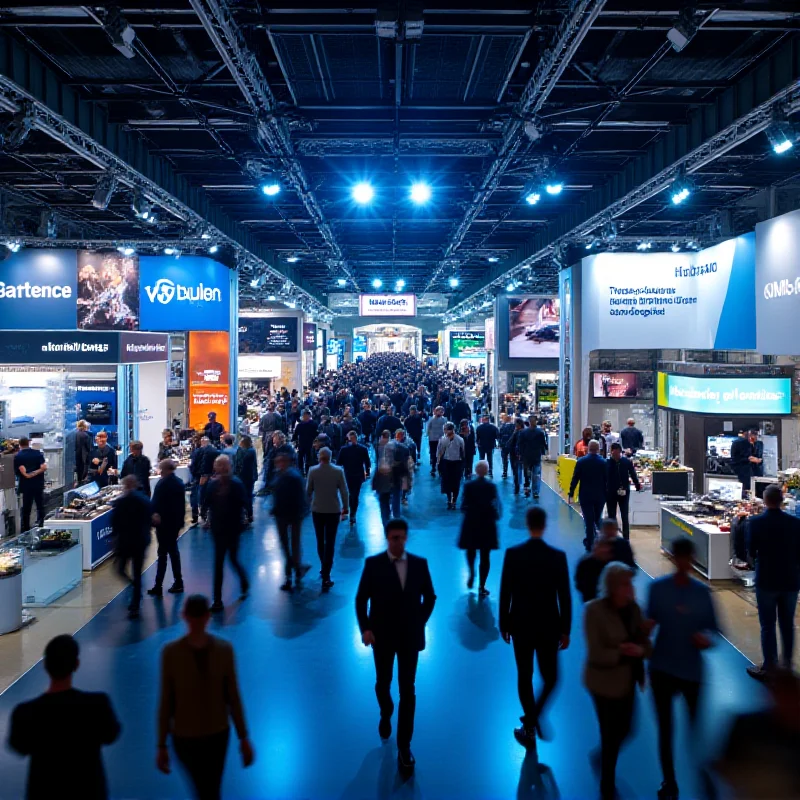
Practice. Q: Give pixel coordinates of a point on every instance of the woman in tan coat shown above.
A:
(617, 644)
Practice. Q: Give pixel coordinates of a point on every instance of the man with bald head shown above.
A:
(591, 472)
(169, 515)
(130, 527)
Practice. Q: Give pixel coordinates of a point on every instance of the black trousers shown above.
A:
(546, 652)
(325, 526)
(486, 562)
(289, 534)
(468, 466)
(248, 491)
(168, 547)
(418, 442)
(614, 500)
(28, 499)
(665, 688)
(487, 454)
(615, 717)
(203, 758)
(504, 454)
(592, 511)
(136, 557)
(227, 542)
(432, 448)
(354, 495)
(407, 660)
(304, 461)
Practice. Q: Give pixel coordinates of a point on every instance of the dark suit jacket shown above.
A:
(461, 410)
(289, 495)
(227, 510)
(140, 467)
(591, 472)
(354, 460)
(169, 502)
(620, 475)
(396, 616)
(130, 522)
(245, 464)
(83, 446)
(532, 444)
(535, 598)
(773, 542)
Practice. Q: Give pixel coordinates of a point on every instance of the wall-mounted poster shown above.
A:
(108, 292)
(430, 345)
(209, 368)
(533, 327)
(468, 344)
(268, 334)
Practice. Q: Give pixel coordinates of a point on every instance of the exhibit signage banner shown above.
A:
(700, 300)
(430, 345)
(468, 344)
(309, 336)
(102, 537)
(187, 294)
(38, 288)
(761, 396)
(777, 284)
(387, 305)
(81, 347)
(359, 344)
(138, 348)
(208, 371)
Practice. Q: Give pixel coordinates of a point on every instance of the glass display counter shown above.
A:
(53, 565)
(11, 566)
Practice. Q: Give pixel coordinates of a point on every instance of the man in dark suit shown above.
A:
(486, 435)
(83, 446)
(741, 455)
(773, 542)
(757, 457)
(169, 514)
(353, 458)
(131, 518)
(631, 438)
(138, 465)
(620, 475)
(395, 599)
(460, 410)
(536, 614)
(532, 445)
(213, 429)
(73, 768)
(591, 472)
(289, 507)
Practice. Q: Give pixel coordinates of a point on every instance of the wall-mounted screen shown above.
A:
(761, 396)
(267, 334)
(719, 446)
(533, 327)
(108, 291)
(309, 336)
(430, 345)
(468, 344)
(622, 385)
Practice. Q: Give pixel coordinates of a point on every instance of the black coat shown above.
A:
(461, 410)
(169, 502)
(620, 474)
(591, 472)
(389, 423)
(245, 465)
(140, 467)
(631, 438)
(83, 446)
(396, 616)
(535, 599)
(305, 433)
(486, 435)
(481, 506)
(227, 510)
(587, 573)
(413, 425)
(108, 453)
(131, 522)
(532, 444)
(354, 460)
(773, 543)
(289, 495)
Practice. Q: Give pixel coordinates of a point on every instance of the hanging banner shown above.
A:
(387, 305)
(760, 396)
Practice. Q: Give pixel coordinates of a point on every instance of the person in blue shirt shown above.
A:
(591, 472)
(683, 611)
(29, 466)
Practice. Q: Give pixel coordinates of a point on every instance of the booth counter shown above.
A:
(10, 587)
(712, 545)
(51, 565)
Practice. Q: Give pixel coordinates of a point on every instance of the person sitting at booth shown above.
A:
(102, 461)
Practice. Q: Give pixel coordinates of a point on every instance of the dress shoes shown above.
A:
(405, 760)
(156, 591)
(385, 728)
(526, 737)
(286, 586)
(176, 588)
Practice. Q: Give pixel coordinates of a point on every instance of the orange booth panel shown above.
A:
(208, 378)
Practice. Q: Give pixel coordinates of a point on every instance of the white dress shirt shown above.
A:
(401, 565)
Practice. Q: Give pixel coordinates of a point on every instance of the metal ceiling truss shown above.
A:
(571, 33)
(646, 174)
(38, 88)
(273, 134)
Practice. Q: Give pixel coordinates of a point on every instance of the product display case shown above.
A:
(53, 564)
(11, 568)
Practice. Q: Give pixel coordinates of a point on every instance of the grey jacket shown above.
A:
(436, 428)
(325, 487)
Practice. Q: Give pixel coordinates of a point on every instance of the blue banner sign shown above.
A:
(743, 396)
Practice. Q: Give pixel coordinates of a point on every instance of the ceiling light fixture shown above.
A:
(104, 191)
(493, 259)
(400, 284)
(420, 193)
(141, 206)
(377, 283)
(781, 134)
(676, 248)
(292, 259)
(17, 130)
(341, 281)
(271, 188)
(13, 245)
(554, 188)
(169, 251)
(644, 245)
(119, 31)
(512, 286)
(683, 31)
(126, 250)
(213, 249)
(363, 193)
(532, 198)
(453, 282)
(271, 298)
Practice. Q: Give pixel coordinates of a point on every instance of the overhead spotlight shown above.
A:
(120, 33)
(644, 245)
(104, 191)
(511, 286)
(609, 231)
(377, 283)
(271, 188)
(126, 250)
(170, 251)
(535, 129)
(205, 235)
(681, 189)
(400, 284)
(692, 245)
(341, 281)
(493, 259)
(16, 132)
(363, 193)
(48, 224)
(532, 198)
(271, 298)
(781, 134)
(213, 249)
(13, 245)
(487, 302)
(683, 31)
(453, 282)
(592, 244)
(554, 188)
(292, 259)
(141, 206)
(254, 283)
(676, 248)
(420, 193)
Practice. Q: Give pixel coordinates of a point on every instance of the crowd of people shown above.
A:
(368, 422)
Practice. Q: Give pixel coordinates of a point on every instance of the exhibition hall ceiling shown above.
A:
(446, 148)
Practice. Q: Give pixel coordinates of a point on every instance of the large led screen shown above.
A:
(743, 396)
(622, 385)
(533, 327)
(467, 344)
(268, 334)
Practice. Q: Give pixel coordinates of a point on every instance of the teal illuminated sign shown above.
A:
(759, 396)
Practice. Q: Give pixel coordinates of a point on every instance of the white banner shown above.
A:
(387, 305)
(259, 366)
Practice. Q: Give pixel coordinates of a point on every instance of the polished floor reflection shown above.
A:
(308, 682)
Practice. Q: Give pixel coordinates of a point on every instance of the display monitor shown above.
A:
(268, 334)
(534, 327)
(719, 446)
(108, 291)
(468, 344)
(97, 413)
(88, 489)
(727, 488)
(621, 385)
(671, 483)
(759, 484)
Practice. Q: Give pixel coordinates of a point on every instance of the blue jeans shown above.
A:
(533, 477)
(592, 511)
(776, 607)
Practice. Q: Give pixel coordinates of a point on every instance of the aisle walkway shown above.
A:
(308, 682)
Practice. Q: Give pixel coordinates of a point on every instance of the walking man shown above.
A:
(435, 431)
(304, 434)
(413, 425)
(327, 493)
(450, 454)
(620, 475)
(536, 615)
(394, 602)
(532, 445)
(169, 514)
(30, 466)
(289, 508)
(199, 695)
(486, 436)
(591, 471)
(773, 543)
(245, 468)
(224, 507)
(353, 458)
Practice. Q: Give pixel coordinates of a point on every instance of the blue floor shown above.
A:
(307, 681)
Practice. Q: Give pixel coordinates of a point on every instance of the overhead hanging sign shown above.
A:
(387, 305)
(700, 300)
(82, 347)
(743, 396)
